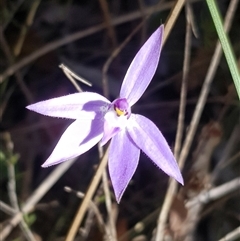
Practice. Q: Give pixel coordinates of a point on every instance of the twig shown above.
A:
(10, 59)
(26, 231)
(27, 93)
(71, 75)
(111, 235)
(108, 22)
(216, 205)
(229, 161)
(93, 207)
(88, 196)
(144, 27)
(173, 185)
(89, 222)
(207, 82)
(105, 86)
(12, 186)
(7, 209)
(229, 96)
(108, 200)
(209, 138)
(210, 74)
(233, 235)
(12, 189)
(172, 17)
(113, 56)
(145, 222)
(111, 219)
(14, 202)
(194, 123)
(79, 35)
(10, 16)
(234, 138)
(191, 19)
(215, 193)
(4, 100)
(162, 218)
(190, 101)
(77, 77)
(186, 62)
(25, 27)
(36, 196)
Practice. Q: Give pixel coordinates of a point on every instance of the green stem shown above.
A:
(226, 46)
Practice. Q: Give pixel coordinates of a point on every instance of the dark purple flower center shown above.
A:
(122, 107)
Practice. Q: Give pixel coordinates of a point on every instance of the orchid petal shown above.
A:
(78, 138)
(85, 105)
(108, 133)
(122, 163)
(142, 68)
(147, 137)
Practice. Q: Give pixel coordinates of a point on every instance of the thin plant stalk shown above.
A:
(79, 35)
(225, 42)
(36, 196)
(88, 196)
(183, 97)
(173, 185)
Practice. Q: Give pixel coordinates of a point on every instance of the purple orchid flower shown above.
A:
(98, 119)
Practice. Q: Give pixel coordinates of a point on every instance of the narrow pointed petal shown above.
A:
(78, 138)
(86, 105)
(147, 137)
(122, 163)
(142, 68)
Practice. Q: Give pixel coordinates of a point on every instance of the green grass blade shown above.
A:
(227, 49)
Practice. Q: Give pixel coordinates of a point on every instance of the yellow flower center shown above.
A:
(120, 112)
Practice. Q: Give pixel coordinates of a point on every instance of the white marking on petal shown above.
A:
(114, 120)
